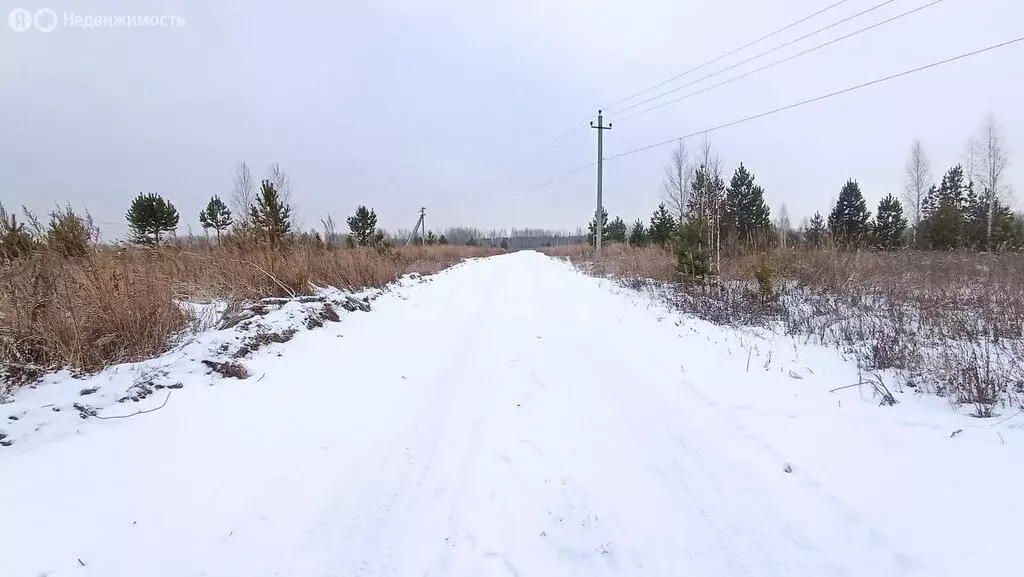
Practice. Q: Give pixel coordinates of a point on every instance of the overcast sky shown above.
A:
(456, 104)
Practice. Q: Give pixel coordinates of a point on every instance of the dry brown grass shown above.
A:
(81, 313)
(945, 322)
(621, 260)
(120, 305)
(573, 252)
(250, 274)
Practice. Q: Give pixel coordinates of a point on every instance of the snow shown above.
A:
(53, 407)
(508, 416)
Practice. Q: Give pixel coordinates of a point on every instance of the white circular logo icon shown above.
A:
(45, 20)
(20, 20)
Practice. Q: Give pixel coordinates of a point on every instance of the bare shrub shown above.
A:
(977, 374)
(764, 274)
(948, 323)
(724, 304)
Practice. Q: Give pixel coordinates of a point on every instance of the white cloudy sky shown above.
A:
(455, 104)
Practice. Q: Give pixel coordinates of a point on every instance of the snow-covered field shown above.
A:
(509, 416)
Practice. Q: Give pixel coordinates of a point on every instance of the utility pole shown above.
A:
(599, 226)
(419, 224)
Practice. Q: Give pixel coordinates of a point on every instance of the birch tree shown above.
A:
(706, 201)
(783, 225)
(918, 180)
(242, 194)
(992, 162)
(277, 176)
(676, 187)
(970, 159)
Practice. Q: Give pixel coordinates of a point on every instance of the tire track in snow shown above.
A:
(753, 468)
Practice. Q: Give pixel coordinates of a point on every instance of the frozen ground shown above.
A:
(509, 416)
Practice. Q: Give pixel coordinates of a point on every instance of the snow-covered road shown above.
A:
(515, 417)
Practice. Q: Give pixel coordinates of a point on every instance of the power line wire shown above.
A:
(778, 62)
(755, 57)
(509, 165)
(820, 98)
(568, 132)
(557, 178)
(728, 54)
(781, 109)
(585, 124)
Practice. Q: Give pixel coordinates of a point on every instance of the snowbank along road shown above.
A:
(512, 416)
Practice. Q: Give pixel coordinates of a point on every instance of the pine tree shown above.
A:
(149, 217)
(592, 227)
(70, 233)
(746, 214)
(704, 211)
(216, 215)
(442, 239)
(15, 241)
(890, 224)
(815, 231)
(362, 224)
(1015, 232)
(978, 212)
(504, 244)
(431, 238)
(947, 211)
(976, 217)
(693, 257)
(616, 231)
(1004, 228)
(271, 216)
(663, 226)
(706, 196)
(638, 236)
(975, 212)
(849, 219)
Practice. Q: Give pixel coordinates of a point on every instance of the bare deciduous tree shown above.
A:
(784, 225)
(277, 176)
(676, 187)
(970, 160)
(461, 234)
(918, 180)
(242, 194)
(992, 162)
